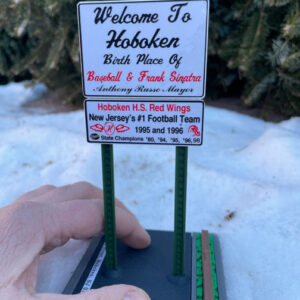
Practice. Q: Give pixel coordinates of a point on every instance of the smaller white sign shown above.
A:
(140, 122)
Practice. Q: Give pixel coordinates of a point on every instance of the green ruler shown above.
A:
(109, 206)
(199, 269)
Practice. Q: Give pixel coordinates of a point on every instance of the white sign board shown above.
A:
(144, 122)
(144, 48)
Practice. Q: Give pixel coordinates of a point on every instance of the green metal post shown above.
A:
(180, 209)
(109, 206)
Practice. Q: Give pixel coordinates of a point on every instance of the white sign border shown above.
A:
(157, 98)
(144, 101)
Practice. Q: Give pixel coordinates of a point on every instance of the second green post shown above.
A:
(109, 206)
(180, 210)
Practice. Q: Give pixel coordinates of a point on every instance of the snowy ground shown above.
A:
(246, 166)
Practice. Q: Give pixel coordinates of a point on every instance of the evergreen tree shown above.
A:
(40, 38)
(254, 46)
(264, 48)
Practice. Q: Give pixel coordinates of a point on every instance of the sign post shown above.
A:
(144, 78)
(180, 209)
(109, 206)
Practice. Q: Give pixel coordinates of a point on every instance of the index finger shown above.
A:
(80, 219)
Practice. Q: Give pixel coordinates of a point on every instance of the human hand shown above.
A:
(48, 217)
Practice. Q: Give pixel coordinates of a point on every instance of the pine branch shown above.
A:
(254, 40)
(292, 27)
(291, 82)
(56, 48)
(292, 62)
(277, 3)
(280, 50)
(260, 89)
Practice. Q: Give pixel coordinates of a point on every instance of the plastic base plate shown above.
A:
(149, 269)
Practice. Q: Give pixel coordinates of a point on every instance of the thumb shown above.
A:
(114, 292)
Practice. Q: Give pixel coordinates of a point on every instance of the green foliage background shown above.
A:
(254, 49)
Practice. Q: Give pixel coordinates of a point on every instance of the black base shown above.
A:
(150, 269)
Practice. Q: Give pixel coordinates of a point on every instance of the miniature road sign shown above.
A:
(152, 122)
(144, 48)
(132, 51)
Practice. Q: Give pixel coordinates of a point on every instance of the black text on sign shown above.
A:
(144, 49)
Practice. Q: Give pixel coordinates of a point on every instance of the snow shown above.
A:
(246, 166)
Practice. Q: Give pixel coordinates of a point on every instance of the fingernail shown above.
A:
(135, 296)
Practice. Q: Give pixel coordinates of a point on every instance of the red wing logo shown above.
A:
(195, 130)
(122, 128)
(97, 127)
(109, 128)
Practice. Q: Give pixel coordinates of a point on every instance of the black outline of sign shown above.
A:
(147, 101)
(141, 96)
